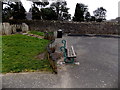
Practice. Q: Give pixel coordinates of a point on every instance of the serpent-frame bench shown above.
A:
(69, 53)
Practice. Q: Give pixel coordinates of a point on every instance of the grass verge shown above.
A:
(37, 33)
(19, 51)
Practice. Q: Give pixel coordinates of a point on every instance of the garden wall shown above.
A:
(74, 27)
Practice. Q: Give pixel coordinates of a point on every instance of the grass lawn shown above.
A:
(37, 33)
(19, 51)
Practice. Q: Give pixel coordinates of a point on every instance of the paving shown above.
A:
(98, 68)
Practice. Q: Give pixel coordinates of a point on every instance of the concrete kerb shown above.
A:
(95, 35)
(50, 58)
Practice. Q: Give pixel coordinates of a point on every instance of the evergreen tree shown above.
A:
(41, 4)
(6, 12)
(61, 10)
(48, 14)
(79, 12)
(13, 9)
(92, 18)
(36, 9)
(87, 16)
(36, 14)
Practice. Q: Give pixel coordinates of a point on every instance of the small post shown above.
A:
(59, 33)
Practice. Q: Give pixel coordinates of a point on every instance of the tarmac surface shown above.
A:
(98, 68)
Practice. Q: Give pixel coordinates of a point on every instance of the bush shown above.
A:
(49, 36)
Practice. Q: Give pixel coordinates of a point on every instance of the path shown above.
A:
(33, 35)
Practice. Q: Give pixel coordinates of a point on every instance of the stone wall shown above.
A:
(76, 27)
(72, 27)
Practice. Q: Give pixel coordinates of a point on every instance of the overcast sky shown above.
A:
(110, 5)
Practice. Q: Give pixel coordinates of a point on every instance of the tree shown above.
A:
(100, 14)
(13, 9)
(61, 10)
(35, 13)
(41, 4)
(79, 12)
(18, 11)
(36, 9)
(48, 14)
(92, 18)
(6, 12)
(87, 16)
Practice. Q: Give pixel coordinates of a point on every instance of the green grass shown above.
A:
(37, 33)
(19, 51)
(0, 53)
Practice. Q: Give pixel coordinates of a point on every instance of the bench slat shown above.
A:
(70, 51)
(68, 54)
(73, 51)
(66, 45)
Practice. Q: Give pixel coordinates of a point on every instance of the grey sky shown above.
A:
(110, 5)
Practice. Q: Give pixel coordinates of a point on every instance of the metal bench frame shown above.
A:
(68, 53)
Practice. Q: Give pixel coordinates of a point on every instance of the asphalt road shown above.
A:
(98, 58)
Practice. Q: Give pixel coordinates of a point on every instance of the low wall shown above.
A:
(74, 27)
(8, 29)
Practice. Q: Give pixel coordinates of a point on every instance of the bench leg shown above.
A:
(69, 60)
(77, 63)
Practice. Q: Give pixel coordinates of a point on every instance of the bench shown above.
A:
(69, 53)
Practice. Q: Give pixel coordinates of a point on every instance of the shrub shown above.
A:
(49, 36)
